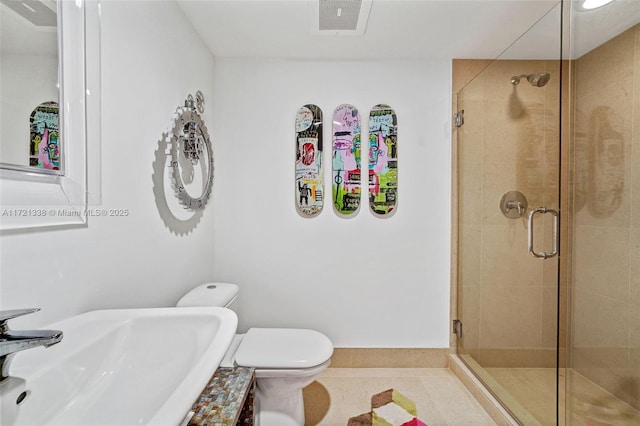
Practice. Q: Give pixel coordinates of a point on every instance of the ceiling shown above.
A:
(18, 36)
(396, 29)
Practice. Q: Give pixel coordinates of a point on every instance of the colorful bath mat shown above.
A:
(389, 408)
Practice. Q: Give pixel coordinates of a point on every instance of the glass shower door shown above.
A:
(508, 174)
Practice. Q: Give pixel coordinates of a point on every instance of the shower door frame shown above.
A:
(559, 274)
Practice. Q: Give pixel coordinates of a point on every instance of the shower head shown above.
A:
(536, 79)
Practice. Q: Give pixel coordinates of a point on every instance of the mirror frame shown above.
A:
(34, 198)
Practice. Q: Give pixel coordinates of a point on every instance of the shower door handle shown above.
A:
(556, 235)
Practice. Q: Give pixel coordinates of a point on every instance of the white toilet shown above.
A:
(285, 359)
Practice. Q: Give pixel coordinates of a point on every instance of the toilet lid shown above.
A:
(283, 348)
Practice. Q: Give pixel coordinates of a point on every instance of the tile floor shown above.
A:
(588, 404)
(441, 399)
(534, 389)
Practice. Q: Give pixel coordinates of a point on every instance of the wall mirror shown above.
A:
(49, 117)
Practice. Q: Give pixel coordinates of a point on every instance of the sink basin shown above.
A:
(123, 366)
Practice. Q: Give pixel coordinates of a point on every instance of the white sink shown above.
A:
(124, 366)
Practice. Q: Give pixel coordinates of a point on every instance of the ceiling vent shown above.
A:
(339, 17)
(41, 13)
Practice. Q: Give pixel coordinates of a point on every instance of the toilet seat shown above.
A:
(295, 372)
(283, 349)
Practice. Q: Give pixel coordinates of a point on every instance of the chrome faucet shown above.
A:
(12, 341)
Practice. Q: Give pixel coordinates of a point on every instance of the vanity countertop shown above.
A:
(227, 400)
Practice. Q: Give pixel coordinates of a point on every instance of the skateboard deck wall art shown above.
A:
(44, 147)
(383, 160)
(346, 159)
(309, 178)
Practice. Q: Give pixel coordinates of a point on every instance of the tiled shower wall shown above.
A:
(605, 309)
(501, 289)
(507, 298)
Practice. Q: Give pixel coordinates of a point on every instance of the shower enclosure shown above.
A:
(547, 166)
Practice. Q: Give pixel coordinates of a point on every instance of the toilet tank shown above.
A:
(210, 294)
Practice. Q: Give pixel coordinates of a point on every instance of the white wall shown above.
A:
(151, 59)
(27, 81)
(364, 281)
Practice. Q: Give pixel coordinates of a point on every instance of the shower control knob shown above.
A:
(513, 204)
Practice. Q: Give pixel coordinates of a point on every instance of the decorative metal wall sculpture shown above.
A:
(190, 147)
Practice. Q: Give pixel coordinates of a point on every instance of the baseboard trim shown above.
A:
(390, 358)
